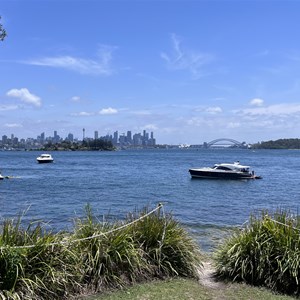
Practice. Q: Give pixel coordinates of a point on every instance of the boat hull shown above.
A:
(41, 161)
(206, 174)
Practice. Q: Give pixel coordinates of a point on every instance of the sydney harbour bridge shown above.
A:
(224, 143)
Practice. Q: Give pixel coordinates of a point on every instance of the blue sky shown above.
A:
(190, 71)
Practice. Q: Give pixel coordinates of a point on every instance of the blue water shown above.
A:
(117, 183)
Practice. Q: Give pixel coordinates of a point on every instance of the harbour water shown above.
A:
(119, 182)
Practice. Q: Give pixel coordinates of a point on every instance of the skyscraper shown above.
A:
(129, 137)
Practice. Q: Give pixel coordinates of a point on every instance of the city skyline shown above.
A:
(118, 139)
(191, 71)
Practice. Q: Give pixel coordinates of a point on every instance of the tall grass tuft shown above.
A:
(108, 261)
(34, 264)
(38, 264)
(167, 248)
(265, 253)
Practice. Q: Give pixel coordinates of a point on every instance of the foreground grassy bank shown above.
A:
(187, 289)
(265, 253)
(148, 256)
(94, 257)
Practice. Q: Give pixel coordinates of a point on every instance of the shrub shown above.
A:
(108, 260)
(36, 264)
(265, 253)
(167, 247)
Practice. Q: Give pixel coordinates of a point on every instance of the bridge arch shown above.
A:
(225, 142)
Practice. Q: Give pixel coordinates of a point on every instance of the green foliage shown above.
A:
(97, 144)
(266, 253)
(278, 144)
(36, 264)
(111, 259)
(93, 145)
(167, 247)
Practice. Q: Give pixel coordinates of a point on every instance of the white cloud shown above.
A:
(82, 114)
(213, 110)
(25, 96)
(13, 125)
(108, 111)
(276, 109)
(75, 99)
(196, 122)
(208, 109)
(102, 66)
(257, 102)
(186, 59)
(8, 107)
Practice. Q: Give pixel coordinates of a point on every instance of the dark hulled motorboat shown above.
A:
(224, 171)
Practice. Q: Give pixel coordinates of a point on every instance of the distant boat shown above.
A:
(1, 177)
(224, 171)
(45, 158)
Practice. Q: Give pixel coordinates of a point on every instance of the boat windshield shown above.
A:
(232, 167)
(222, 168)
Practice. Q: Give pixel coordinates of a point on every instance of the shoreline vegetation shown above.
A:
(107, 145)
(278, 144)
(147, 247)
(102, 145)
(90, 145)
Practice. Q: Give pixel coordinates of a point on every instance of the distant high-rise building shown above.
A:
(83, 134)
(122, 139)
(15, 141)
(56, 137)
(70, 137)
(115, 138)
(96, 135)
(129, 137)
(41, 138)
(137, 139)
(4, 139)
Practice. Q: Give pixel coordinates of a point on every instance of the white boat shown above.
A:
(1, 177)
(224, 171)
(45, 158)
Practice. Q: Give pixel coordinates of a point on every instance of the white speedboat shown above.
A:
(224, 171)
(45, 158)
(1, 177)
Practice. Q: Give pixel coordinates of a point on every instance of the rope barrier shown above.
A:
(161, 242)
(295, 228)
(159, 206)
(280, 223)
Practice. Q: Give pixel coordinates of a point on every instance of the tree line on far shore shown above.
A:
(93, 145)
(278, 144)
